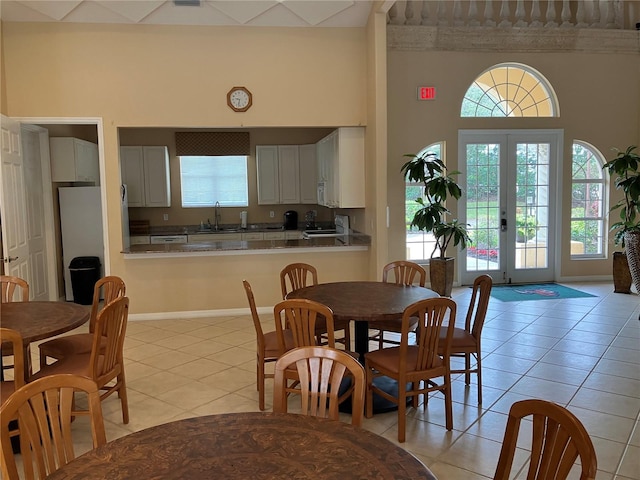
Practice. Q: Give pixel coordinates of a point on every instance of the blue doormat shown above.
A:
(537, 291)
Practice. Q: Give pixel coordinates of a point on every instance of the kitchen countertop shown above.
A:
(224, 228)
(237, 247)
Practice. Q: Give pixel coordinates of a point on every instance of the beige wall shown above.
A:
(165, 76)
(599, 103)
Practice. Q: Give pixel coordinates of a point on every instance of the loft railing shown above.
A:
(593, 14)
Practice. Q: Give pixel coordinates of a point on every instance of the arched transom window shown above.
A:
(510, 90)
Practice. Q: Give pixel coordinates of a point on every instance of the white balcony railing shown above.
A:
(593, 14)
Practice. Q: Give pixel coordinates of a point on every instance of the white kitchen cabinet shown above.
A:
(140, 239)
(145, 171)
(274, 235)
(293, 234)
(278, 174)
(249, 236)
(341, 168)
(213, 237)
(74, 160)
(308, 174)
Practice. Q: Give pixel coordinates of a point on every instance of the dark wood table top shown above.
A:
(364, 301)
(39, 320)
(252, 445)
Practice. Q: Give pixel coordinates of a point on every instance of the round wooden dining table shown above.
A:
(254, 445)
(364, 302)
(39, 320)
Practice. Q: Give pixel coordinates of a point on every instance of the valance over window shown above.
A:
(212, 143)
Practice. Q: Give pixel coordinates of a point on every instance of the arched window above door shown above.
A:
(510, 90)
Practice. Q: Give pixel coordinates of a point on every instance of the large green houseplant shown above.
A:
(627, 230)
(438, 186)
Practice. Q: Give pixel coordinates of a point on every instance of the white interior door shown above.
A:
(36, 204)
(510, 204)
(13, 209)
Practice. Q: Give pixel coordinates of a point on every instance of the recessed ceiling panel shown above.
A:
(316, 12)
(242, 12)
(133, 10)
(55, 10)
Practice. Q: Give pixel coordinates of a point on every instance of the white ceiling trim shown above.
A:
(272, 13)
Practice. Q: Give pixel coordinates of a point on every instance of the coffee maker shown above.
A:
(290, 220)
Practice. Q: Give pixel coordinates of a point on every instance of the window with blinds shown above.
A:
(213, 168)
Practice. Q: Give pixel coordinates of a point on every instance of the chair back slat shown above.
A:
(112, 322)
(558, 438)
(14, 337)
(434, 314)
(11, 286)
(44, 410)
(301, 317)
(110, 288)
(478, 305)
(297, 275)
(404, 273)
(320, 372)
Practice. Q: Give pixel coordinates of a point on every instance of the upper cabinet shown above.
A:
(286, 174)
(74, 160)
(145, 171)
(341, 168)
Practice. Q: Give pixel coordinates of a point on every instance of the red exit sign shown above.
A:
(426, 93)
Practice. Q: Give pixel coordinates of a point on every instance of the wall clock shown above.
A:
(239, 99)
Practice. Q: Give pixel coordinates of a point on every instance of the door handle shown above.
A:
(9, 259)
(503, 225)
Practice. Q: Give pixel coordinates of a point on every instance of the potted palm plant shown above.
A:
(627, 229)
(438, 186)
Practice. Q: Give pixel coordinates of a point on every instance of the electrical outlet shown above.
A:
(272, 213)
(165, 217)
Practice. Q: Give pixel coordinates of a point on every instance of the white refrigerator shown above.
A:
(81, 227)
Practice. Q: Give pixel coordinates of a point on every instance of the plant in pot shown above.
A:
(431, 216)
(627, 229)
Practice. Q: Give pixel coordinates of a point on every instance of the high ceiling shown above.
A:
(259, 13)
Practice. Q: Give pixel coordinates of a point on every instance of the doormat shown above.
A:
(537, 291)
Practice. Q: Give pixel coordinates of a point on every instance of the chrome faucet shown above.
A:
(216, 214)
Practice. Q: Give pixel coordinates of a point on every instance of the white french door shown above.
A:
(510, 180)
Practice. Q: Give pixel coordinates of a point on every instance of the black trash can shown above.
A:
(85, 272)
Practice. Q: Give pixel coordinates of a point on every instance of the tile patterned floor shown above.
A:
(583, 353)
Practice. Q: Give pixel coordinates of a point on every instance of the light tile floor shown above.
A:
(583, 353)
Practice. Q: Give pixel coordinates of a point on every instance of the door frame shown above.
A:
(555, 214)
(34, 123)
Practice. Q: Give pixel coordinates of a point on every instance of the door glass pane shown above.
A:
(482, 206)
(532, 205)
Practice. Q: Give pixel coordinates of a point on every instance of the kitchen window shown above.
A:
(208, 179)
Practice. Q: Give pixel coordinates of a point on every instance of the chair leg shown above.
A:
(260, 383)
(122, 393)
(448, 405)
(402, 414)
(368, 407)
(467, 368)
(479, 374)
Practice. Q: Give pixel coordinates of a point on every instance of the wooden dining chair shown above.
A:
(15, 289)
(12, 287)
(299, 275)
(105, 363)
(466, 341)
(7, 387)
(401, 272)
(109, 288)
(558, 439)
(416, 366)
(300, 317)
(321, 371)
(44, 410)
(267, 345)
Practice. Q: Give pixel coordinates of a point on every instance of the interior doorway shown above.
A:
(44, 209)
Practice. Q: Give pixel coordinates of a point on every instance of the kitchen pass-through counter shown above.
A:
(353, 242)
